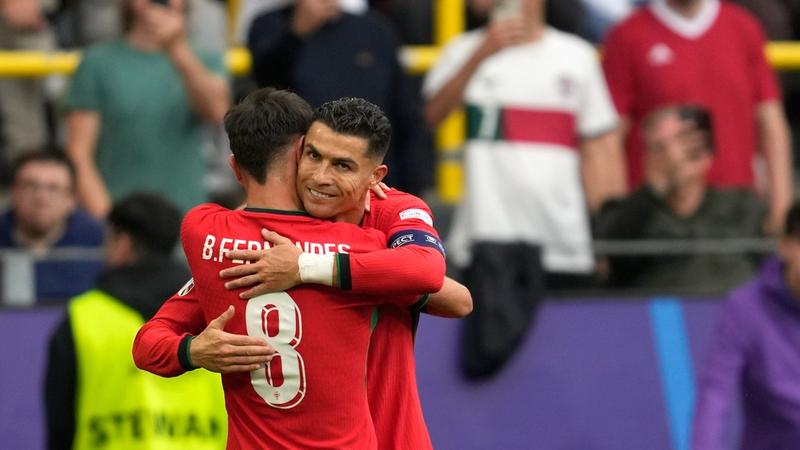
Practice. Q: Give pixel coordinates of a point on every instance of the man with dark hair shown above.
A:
(677, 203)
(755, 356)
(320, 336)
(43, 216)
(338, 168)
(94, 396)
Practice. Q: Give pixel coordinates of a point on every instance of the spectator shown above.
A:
(322, 52)
(22, 101)
(136, 106)
(779, 18)
(709, 53)
(94, 395)
(43, 216)
(538, 116)
(676, 203)
(755, 356)
(564, 15)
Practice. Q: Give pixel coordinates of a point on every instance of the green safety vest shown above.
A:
(120, 407)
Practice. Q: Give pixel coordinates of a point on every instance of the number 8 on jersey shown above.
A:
(276, 318)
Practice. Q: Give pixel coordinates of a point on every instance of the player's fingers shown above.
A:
(254, 345)
(245, 281)
(244, 255)
(247, 360)
(274, 237)
(219, 322)
(257, 290)
(239, 271)
(241, 368)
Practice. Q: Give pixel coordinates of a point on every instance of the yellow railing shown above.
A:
(417, 59)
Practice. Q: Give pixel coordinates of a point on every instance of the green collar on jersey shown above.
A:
(278, 211)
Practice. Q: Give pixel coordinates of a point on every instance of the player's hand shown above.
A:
(270, 270)
(379, 190)
(218, 351)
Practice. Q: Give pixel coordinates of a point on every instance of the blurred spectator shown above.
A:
(43, 216)
(136, 110)
(323, 52)
(676, 203)
(564, 15)
(603, 14)
(755, 357)
(23, 26)
(539, 117)
(779, 18)
(94, 395)
(709, 53)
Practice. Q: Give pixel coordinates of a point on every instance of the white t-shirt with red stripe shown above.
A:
(528, 107)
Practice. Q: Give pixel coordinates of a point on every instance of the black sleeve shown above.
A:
(60, 388)
(273, 47)
(626, 219)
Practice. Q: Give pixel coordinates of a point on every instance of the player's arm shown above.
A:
(177, 340)
(453, 301)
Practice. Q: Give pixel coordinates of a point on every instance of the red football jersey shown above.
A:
(391, 372)
(648, 64)
(312, 395)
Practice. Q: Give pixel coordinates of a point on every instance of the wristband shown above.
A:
(317, 269)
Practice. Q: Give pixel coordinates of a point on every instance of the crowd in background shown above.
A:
(142, 112)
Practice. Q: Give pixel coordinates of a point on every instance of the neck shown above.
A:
(277, 193)
(687, 9)
(536, 26)
(687, 200)
(354, 216)
(36, 242)
(141, 39)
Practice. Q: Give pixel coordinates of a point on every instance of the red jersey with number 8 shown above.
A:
(312, 394)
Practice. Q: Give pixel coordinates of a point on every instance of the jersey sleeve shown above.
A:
(161, 344)
(414, 261)
(618, 71)
(763, 76)
(85, 91)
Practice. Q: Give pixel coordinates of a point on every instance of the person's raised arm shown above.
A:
(499, 34)
(602, 169)
(83, 129)
(775, 145)
(207, 92)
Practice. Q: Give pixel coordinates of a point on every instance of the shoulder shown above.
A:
(635, 23)
(84, 229)
(401, 205)
(465, 41)
(102, 51)
(570, 41)
(203, 212)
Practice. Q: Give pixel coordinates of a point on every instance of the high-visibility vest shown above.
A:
(120, 407)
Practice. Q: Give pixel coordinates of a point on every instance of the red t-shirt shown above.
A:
(312, 395)
(648, 65)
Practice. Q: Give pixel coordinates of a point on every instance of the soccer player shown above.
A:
(311, 394)
(405, 218)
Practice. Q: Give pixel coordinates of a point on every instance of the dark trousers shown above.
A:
(507, 285)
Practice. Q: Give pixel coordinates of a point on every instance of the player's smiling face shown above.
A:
(334, 174)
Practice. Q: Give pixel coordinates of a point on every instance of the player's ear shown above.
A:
(237, 172)
(298, 149)
(378, 173)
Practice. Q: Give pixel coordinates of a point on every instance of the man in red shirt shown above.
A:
(408, 222)
(709, 53)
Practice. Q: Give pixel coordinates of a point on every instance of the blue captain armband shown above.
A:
(416, 237)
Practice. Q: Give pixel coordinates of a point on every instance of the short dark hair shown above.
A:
(46, 154)
(261, 127)
(793, 221)
(698, 115)
(151, 220)
(360, 118)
